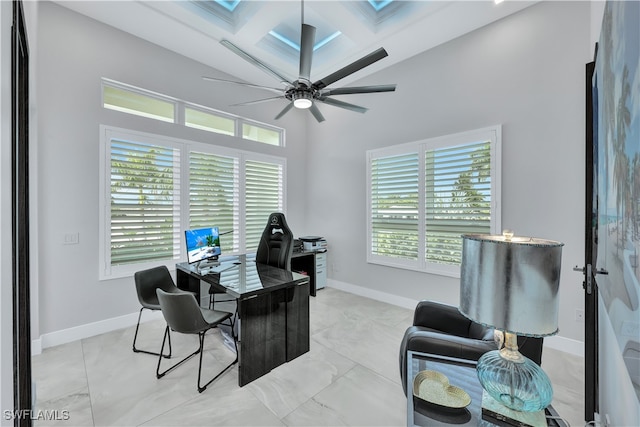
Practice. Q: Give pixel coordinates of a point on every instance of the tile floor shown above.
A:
(349, 378)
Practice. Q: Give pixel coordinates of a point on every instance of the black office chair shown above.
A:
(275, 247)
(441, 329)
(184, 315)
(276, 244)
(147, 281)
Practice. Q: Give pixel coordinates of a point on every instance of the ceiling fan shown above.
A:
(302, 93)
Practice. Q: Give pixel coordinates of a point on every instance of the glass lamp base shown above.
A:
(514, 381)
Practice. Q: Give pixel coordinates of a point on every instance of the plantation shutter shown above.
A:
(213, 196)
(394, 206)
(145, 202)
(457, 198)
(263, 195)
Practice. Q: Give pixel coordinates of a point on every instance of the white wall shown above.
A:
(525, 72)
(74, 54)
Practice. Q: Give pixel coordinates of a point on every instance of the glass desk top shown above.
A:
(460, 373)
(240, 276)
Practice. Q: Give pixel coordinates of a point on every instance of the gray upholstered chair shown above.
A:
(147, 281)
(441, 329)
(185, 316)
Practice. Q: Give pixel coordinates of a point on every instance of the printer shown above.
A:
(313, 244)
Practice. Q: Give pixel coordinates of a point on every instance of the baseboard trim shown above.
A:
(373, 294)
(556, 342)
(65, 336)
(567, 345)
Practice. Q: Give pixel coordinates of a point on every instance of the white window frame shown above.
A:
(107, 133)
(179, 112)
(138, 91)
(257, 124)
(211, 111)
(243, 156)
(492, 134)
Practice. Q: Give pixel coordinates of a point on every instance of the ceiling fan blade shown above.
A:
(351, 68)
(342, 104)
(316, 113)
(255, 61)
(284, 111)
(307, 39)
(358, 89)
(272, 89)
(258, 101)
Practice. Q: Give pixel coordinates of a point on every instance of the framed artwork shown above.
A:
(616, 192)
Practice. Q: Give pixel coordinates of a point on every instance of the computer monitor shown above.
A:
(203, 244)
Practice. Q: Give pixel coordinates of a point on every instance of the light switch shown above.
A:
(71, 238)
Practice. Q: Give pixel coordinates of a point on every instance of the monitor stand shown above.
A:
(207, 263)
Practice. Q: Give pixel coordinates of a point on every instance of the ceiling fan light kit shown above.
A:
(303, 94)
(301, 99)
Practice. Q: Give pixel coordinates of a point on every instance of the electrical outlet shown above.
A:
(579, 315)
(71, 238)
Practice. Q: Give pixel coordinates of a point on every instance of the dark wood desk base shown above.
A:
(272, 327)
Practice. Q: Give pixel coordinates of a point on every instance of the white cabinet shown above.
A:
(321, 270)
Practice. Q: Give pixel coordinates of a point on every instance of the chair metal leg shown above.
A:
(135, 337)
(162, 374)
(202, 388)
(212, 300)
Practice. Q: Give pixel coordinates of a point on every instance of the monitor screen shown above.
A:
(202, 243)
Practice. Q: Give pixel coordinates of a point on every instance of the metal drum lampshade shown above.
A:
(511, 284)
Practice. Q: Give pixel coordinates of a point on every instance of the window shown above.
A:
(258, 133)
(131, 100)
(153, 188)
(394, 206)
(423, 196)
(199, 119)
(213, 198)
(263, 193)
(128, 101)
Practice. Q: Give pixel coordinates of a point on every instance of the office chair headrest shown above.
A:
(277, 223)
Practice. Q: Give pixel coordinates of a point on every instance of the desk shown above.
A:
(314, 264)
(461, 373)
(273, 311)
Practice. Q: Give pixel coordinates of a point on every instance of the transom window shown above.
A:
(132, 100)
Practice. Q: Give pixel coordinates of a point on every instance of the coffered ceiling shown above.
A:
(270, 30)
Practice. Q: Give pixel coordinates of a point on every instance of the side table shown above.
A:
(461, 373)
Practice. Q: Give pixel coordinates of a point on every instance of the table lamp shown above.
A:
(511, 284)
